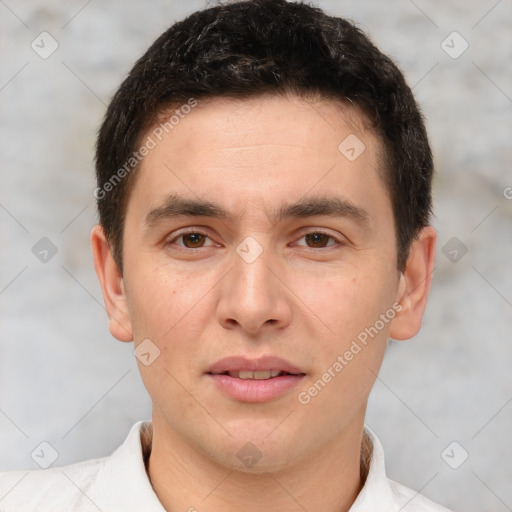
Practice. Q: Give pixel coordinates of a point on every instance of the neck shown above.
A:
(186, 479)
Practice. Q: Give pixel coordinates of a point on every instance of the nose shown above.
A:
(253, 298)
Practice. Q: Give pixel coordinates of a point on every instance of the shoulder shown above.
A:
(380, 492)
(411, 501)
(117, 483)
(64, 488)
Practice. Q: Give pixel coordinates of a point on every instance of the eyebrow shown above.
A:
(333, 206)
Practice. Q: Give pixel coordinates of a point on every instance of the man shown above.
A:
(264, 195)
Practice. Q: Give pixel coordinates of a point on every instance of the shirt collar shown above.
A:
(376, 493)
(123, 482)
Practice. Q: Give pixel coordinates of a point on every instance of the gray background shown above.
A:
(65, 380)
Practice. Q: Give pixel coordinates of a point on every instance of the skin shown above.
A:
(303, 300)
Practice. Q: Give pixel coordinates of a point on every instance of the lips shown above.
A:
(254, 380)
(262, 364)
(259, 375)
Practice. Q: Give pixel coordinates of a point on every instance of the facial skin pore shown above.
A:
(304, 299)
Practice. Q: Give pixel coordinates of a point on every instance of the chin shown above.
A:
(254, 450)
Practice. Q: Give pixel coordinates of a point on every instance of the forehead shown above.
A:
(261, 119)
(257, 150)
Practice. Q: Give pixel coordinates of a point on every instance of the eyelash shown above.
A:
(196, 232)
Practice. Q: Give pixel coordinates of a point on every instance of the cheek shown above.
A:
(344, 303)
(161, 303)
(166, 308)
(348, 310)
(352, 351)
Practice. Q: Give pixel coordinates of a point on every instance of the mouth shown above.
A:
(256, 375)
(257, 380)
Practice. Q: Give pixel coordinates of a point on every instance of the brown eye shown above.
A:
(190, 240)
(193, 240)
(317, 240)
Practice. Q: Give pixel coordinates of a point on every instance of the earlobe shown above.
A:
(414, 285)
(112, 286)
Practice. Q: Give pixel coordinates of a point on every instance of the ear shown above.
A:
(414, 285)
(112, 286)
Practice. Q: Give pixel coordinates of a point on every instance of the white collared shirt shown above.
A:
(119, 483)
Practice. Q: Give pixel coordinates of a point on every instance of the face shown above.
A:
(287, 266)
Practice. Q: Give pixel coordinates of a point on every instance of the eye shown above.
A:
(319, 239)
(191, 239)
(197, 239)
